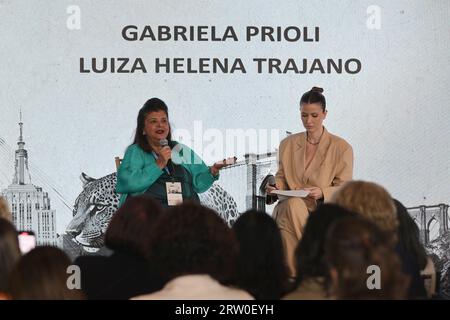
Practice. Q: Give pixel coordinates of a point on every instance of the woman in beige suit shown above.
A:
(315, 161)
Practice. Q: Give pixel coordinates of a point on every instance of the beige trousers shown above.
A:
(291, 216)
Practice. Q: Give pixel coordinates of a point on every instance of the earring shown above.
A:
(143, 133)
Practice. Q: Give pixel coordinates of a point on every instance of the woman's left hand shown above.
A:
(221, 164)
(214, 170)
(315, 193)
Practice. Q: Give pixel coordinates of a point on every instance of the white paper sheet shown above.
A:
(283, 194)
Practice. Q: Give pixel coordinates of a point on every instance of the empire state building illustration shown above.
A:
(30, 205)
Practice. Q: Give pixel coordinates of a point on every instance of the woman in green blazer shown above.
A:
(154, 162)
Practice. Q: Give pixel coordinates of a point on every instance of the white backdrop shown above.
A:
(395, 112)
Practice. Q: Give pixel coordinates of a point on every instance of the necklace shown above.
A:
(314, 143)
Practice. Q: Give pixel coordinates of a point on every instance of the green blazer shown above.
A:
(138, 170)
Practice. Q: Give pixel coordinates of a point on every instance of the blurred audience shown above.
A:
(125, 273)
(362, 262)
(372, 201)
(375, 203)
(9, 254)
(362, 245)
(42, 274)
(409, 242)
(261, 268)
(195, 253)
(312, 269)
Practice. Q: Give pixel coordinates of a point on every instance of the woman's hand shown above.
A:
(270, 199)
(164, 155)
(270, 188)
(214, 170)
(314, 192)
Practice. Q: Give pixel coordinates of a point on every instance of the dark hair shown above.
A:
(310, 252)
(352, 245)
(152, 105)
(409, 236)
(192, 239)
(9, 252)
(261, 268)
(314, 96)
(41, 274)
(131, 225)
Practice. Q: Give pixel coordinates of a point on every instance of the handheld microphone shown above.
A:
(164, 143)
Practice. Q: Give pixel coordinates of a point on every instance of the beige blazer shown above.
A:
(331, 166)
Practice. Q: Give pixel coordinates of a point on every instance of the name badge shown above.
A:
(174, 193)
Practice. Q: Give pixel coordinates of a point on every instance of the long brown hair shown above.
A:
(41, 274)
